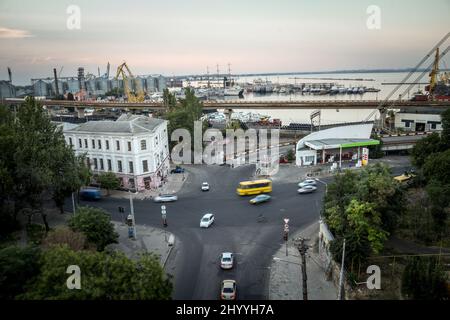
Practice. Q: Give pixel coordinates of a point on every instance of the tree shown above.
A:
(375, 151)
(438, 167)
(424, 279)
(290, 155)
(104, 276)
(445, 135)
(96, 225)
(108, 181)
(76, 241)
(18, 266)
(424, 148)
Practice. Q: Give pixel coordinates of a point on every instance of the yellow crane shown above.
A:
(434, 73)
(138, 95)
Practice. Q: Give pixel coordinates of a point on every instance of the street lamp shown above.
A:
(132, 228)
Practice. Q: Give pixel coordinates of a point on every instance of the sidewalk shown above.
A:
(174, 184)
(285, 271)
(149, 239)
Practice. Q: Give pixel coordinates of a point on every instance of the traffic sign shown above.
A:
(163, 207)
(286, 220)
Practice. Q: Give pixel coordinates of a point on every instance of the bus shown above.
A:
(254, 187)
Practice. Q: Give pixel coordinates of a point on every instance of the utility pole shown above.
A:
(132, 229)
(341, 276)
(286, 233)
(302, 248)
(73, 203)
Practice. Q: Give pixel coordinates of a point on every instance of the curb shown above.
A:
(168, 254)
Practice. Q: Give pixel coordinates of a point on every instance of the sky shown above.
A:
(175, 37)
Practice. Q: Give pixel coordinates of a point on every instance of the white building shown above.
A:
(334, 144)
(419, 119)
(134, 147)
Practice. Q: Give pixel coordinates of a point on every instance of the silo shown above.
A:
(161, 83)
(73, 85)
(114, 84)
(150, 84)
(102, 85)
(90, 86)
(40, 88)
(139, 83)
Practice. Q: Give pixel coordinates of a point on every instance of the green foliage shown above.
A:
(34, 160)
(96, 226)
(35, 233)
(65, 236)
(18, 266)
(184, 114)
(424, 278)
(437, 167)
(375, 151)
(103, 277)
(445, 135)
(424, 148)
(108, 181)
(362, 207)
(290, 155)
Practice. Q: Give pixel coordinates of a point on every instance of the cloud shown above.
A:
(7, 33)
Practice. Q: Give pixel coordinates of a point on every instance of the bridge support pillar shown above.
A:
(80, 112)
(228, 113)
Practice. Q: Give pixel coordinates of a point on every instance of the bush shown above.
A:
(96, 225)
(64, 236)
(35, 233)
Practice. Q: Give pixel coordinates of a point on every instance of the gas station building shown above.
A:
(335, 144)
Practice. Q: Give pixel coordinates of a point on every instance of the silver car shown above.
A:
(306, 189)
(165, 198)
(226, 260)
(307, 182)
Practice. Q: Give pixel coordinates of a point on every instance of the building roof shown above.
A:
(126, 123)
(337, 143)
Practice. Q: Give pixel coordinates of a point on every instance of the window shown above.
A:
(88, 162)
(119, 165)
(309, 159)
(80, 144)
(86, 143)
(145, 165)
(118, 145)
(101, 165)
(70, 142)
(129, 146)
(107, 144)
(99, 144)
(93, 144)
(109, 165)
(131, 166)
(143, 145)
(95, 164)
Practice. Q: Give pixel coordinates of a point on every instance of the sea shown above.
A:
(386, 82)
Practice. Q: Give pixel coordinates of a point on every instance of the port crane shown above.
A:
(124, 71)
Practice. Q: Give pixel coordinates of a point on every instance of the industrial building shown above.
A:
(419, 119)
(94, 86)
(7, 90)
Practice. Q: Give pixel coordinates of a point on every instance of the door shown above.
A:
(420, 126)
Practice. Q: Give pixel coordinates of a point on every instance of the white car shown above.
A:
(307, 189)
(228, 290)
(226, 260)
(205, 186)
(307, 182)
(206, 220)
(165, 198)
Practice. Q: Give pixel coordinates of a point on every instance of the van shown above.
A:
(90, 194)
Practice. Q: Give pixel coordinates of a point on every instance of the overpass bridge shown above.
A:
(241, 104)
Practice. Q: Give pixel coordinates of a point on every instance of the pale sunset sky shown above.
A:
(184, 36)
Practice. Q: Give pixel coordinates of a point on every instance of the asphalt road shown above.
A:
(236, 229)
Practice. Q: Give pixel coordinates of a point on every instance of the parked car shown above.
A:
(307, 182)
(228, 290)
(206, 220)
(226, 260)
(205, 186)
(307, 189)
(165, 198)
(90, 194)
(260, 199)
(177, 169)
